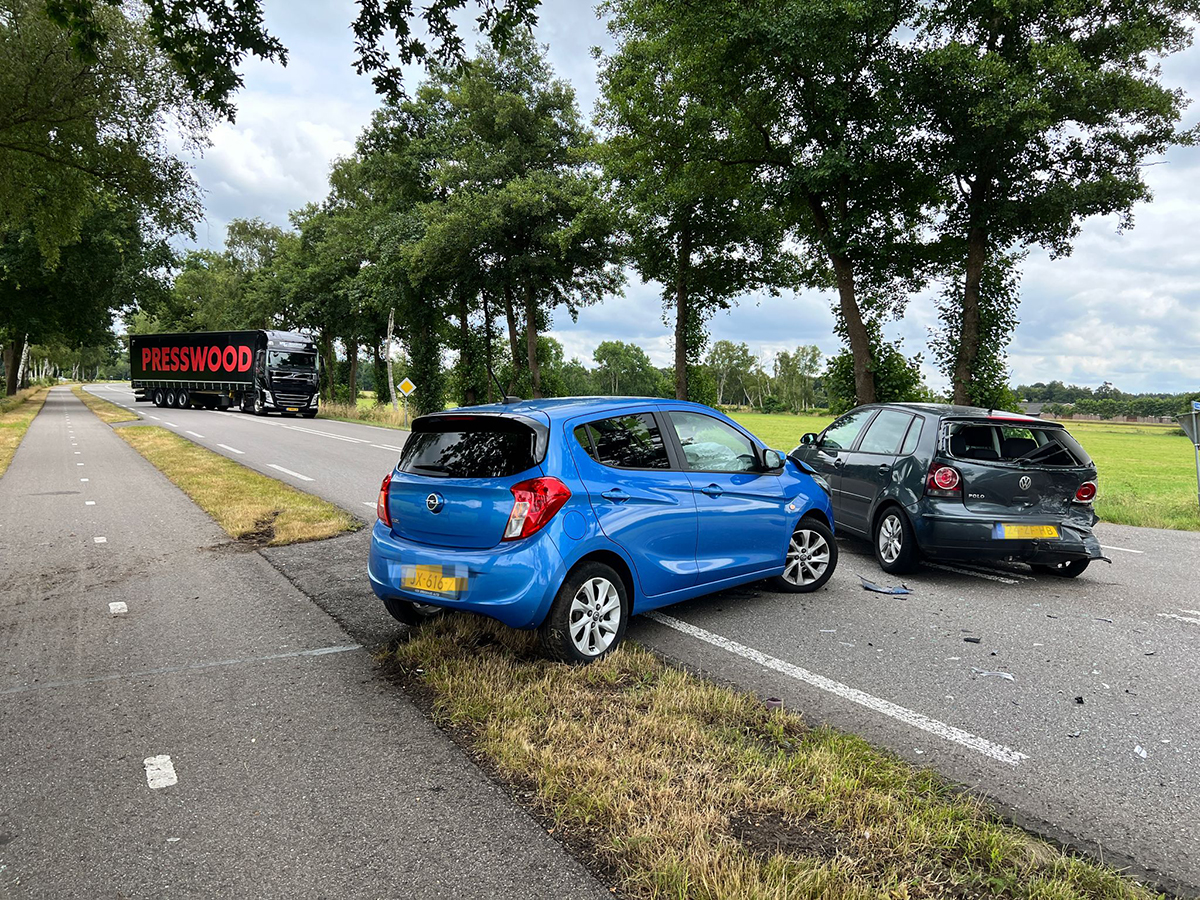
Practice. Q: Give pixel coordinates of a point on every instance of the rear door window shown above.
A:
(913, 437)
(842, 433)
(469, 447)
(885, 433)
(627, 442)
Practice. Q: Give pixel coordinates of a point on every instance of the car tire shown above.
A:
(260, 408)
(895, 542)
(160, 398)
(812, 556)
(410, 612)
(1071, 569)
(588, 617)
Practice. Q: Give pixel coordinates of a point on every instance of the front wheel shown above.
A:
(410, 612)
(895, 542)
(811, 558)
(260, 408)
(588, 617)
(1070, 569)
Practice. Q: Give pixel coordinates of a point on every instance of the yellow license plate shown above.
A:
(293, 409)
(432, 580)
(1009, 532)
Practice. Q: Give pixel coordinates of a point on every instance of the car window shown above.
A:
(585, 441)
(885, 433)
(841, 434)
(913, 437)
(629, 442)
(986, 441)
(469, 447)
(710, 445)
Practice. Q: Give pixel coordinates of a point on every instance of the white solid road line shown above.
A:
(1122, 549)
(998, 752)
(1187, 619)
(289, 472)
(118, 608)
(958, 571)
(388, 447)
(193, 434)
(328, 434)
(160, 771)
(232, 449)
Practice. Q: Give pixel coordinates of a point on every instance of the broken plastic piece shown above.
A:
(773, 703)
(1138, 751)
(1007, 676)
(872, 586)
(1079, 700)
(972, 640)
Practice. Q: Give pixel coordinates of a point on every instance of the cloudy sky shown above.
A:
(1123, 308)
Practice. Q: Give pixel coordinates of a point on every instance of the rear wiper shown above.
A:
(442, 469)
(1032, 455)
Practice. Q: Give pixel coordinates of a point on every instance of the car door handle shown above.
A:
(884, 469)
(713, 490)
(838, 463)
(615, 494)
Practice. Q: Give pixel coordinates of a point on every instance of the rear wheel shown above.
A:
(409, 612)
(895, 542)
(588, 617)
(160, 398)
(811, 558)
(183, 399)
(169, 400)
(1071, 569)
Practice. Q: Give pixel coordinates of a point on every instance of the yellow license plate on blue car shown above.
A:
(432, 580)
(1011, 532)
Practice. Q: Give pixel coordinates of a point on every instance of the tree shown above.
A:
(730, 365)
(795, 377)
(625, 370)
(1043, 115)
(699, 228)
(897, 378)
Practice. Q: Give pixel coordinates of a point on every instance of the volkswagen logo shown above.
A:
(1024, 484)
(434, 503)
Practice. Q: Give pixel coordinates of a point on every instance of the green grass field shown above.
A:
(1147, 472)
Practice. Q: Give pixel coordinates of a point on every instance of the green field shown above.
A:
(1147, 472)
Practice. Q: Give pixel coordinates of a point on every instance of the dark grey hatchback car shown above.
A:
(958, 483)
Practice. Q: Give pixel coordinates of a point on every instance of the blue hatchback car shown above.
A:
(571, 515)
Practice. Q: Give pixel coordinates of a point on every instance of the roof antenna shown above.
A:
(504, 398)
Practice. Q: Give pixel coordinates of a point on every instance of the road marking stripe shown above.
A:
(174, 670)
(1122, 549)
(232, 449)
(289, 472)
(83, 479)
(1191, 612)
(77, 452)
(386, 447)
(336, 437)
(959, 571)
(100, 540)
(998, 752)
(1187, 619)
(118, 608)
(369, 503)
(89, 502)
(160, 772)
(172, 424)
(155, 418)
(79, 464)
(193, 434)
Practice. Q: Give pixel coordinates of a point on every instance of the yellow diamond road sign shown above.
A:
(406, 387)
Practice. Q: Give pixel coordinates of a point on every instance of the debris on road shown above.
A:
(872, 586)
(1079, 700)
(972, 640)
(828, 631)
(1072, 734)
(1102, 619)
(1007, 676)
(1140, 752)
(773, 703)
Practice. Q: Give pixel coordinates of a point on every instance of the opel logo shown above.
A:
(1025, 484)
(434, 503)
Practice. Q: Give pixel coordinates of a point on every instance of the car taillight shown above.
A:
(534, 504)
(943, 481)
(381, 505)
(1086, 492)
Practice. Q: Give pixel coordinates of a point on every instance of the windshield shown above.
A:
(1023, 445)
(280, 359)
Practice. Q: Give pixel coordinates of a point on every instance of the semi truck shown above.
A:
(256, 371)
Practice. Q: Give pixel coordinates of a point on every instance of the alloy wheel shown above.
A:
(807, 557)
(891, 538)
(595, 616)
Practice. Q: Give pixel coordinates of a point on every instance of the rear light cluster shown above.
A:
(943, 481)
(534, 504)
(1086, 492)
(381, 505)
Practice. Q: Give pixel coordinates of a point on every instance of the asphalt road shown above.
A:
(221, 736)
(1117, 774)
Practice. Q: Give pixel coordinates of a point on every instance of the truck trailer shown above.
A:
(256, 371)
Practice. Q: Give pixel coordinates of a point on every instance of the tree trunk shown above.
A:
(514, 345)
(329, 357)
(682, 311)
(535, 374)
(487, 344)
(856, 331)
(388, 351)
(352, 355)
(464, 339)
(968, 339)
(13, 351)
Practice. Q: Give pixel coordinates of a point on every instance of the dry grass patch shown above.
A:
(367, 412)
(679, 788)
(249, 506)
(16, 414)
(105, 411)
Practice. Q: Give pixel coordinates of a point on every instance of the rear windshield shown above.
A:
(469, 447)
(1015, 444)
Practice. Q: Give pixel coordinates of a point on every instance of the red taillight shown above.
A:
(943, 481)
(1086, 492)
(381, 505)
(534, 504)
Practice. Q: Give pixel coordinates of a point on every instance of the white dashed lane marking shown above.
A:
(83, 479)
(89, 502)
(232, 449)
(998, 752)
(172, 424)
(100, 540)
(118, 608)
(160, 772)
(289, 472)
(193, 434)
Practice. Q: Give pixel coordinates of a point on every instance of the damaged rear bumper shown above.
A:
(970, 536)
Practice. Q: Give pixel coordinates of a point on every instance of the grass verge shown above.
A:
(249, 506)
(676, 787)
(367, 412)
(16, 414)
(105, 411)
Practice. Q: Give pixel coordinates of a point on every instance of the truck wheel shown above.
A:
(170, 399)
(160, 399)
(183, 399)
(260, 408)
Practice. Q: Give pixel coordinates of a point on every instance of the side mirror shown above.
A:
(810, 438)
(773, 460)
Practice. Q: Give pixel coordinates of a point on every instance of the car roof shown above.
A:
(557, 408)
(951, 410)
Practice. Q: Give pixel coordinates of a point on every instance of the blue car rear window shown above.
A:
(469, 447)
